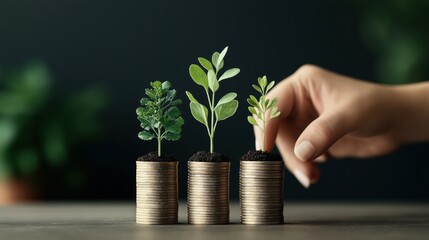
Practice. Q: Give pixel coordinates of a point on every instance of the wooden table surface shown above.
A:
(303, 221)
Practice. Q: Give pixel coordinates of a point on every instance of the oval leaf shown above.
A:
(252, 121)
(226, 110)
(198, 75)
(270, 85)
(252, 103)
(227, 98)
(166, 85)
(199, 112)
(191, 97)
(229, 74)
(213, 83)
(144, 135)
(262, 81)
(215, 57)
(205, 63)
(275, 115)
(273, 103)
(252, 110)
(221, 57)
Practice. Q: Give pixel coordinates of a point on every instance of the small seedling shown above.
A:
(159, 115)
(262, 107)
(225, 107)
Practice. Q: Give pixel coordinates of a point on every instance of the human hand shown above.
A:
(326, 114)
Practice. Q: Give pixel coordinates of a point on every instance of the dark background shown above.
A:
(123, 45)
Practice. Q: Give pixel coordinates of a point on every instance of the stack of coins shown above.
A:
(208, 192)
(157, 195)
(261, 192)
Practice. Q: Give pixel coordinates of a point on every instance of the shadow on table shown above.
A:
(400, 220)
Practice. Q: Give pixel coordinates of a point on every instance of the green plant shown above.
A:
(262, 107)
(396, 33)
(226, 106)
(41, 132)
(159, 115)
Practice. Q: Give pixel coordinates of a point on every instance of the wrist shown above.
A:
(411, 120)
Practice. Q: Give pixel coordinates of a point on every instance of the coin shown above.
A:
(156, 192)
(208, 192)
(261, 192)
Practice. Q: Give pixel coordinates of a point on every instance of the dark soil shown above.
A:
(208, 157)
(254, 155)
(153, 157)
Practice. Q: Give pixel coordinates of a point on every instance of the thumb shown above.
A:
(321, 134)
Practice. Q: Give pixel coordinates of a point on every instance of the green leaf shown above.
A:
(150, 93)
(140, 111)
(273, 103)
(144, 101)
(171, 94)
(229, 73)
(252, 110)
(262, 82)
(215, 57)
(191, 97)
(266, 102)
(220, 66)
(252, 121)
(276, 114)
(221, 57)
(227, 98)
(173, 125)
(205, 63)
(198, 75)
(253, 98)
(257, 88)
(170, 136)
(172, 112)
(270, 85)
(175, 102)
(226, 110)
(213, 83)
(145, 135)
(156, 84)
(252, 102)
(166, 85)
(199, 112)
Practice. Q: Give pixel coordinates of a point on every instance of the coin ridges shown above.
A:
(157, 192)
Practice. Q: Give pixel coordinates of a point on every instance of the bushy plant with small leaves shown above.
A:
(264, 108)
(159, 115)
(217, 111)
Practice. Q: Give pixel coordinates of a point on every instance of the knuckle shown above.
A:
(308, 70)
(324, 129)
(307, 74)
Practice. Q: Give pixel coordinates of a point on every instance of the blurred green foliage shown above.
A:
(397, 32)
(39, 130)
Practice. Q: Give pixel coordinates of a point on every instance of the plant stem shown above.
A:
(263, 137)
(264, 123)
(212, 124)
(159, 142)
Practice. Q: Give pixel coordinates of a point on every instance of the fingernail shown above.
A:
(300, 176)
(257, 147)
(304, 151)
(321, 159)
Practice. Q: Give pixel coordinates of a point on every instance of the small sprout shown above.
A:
(159, 115)
(226, 106)
(263, 107)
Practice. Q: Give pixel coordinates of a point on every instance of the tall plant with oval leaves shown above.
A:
(159, 115)
(262, 108)
(216, 111)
